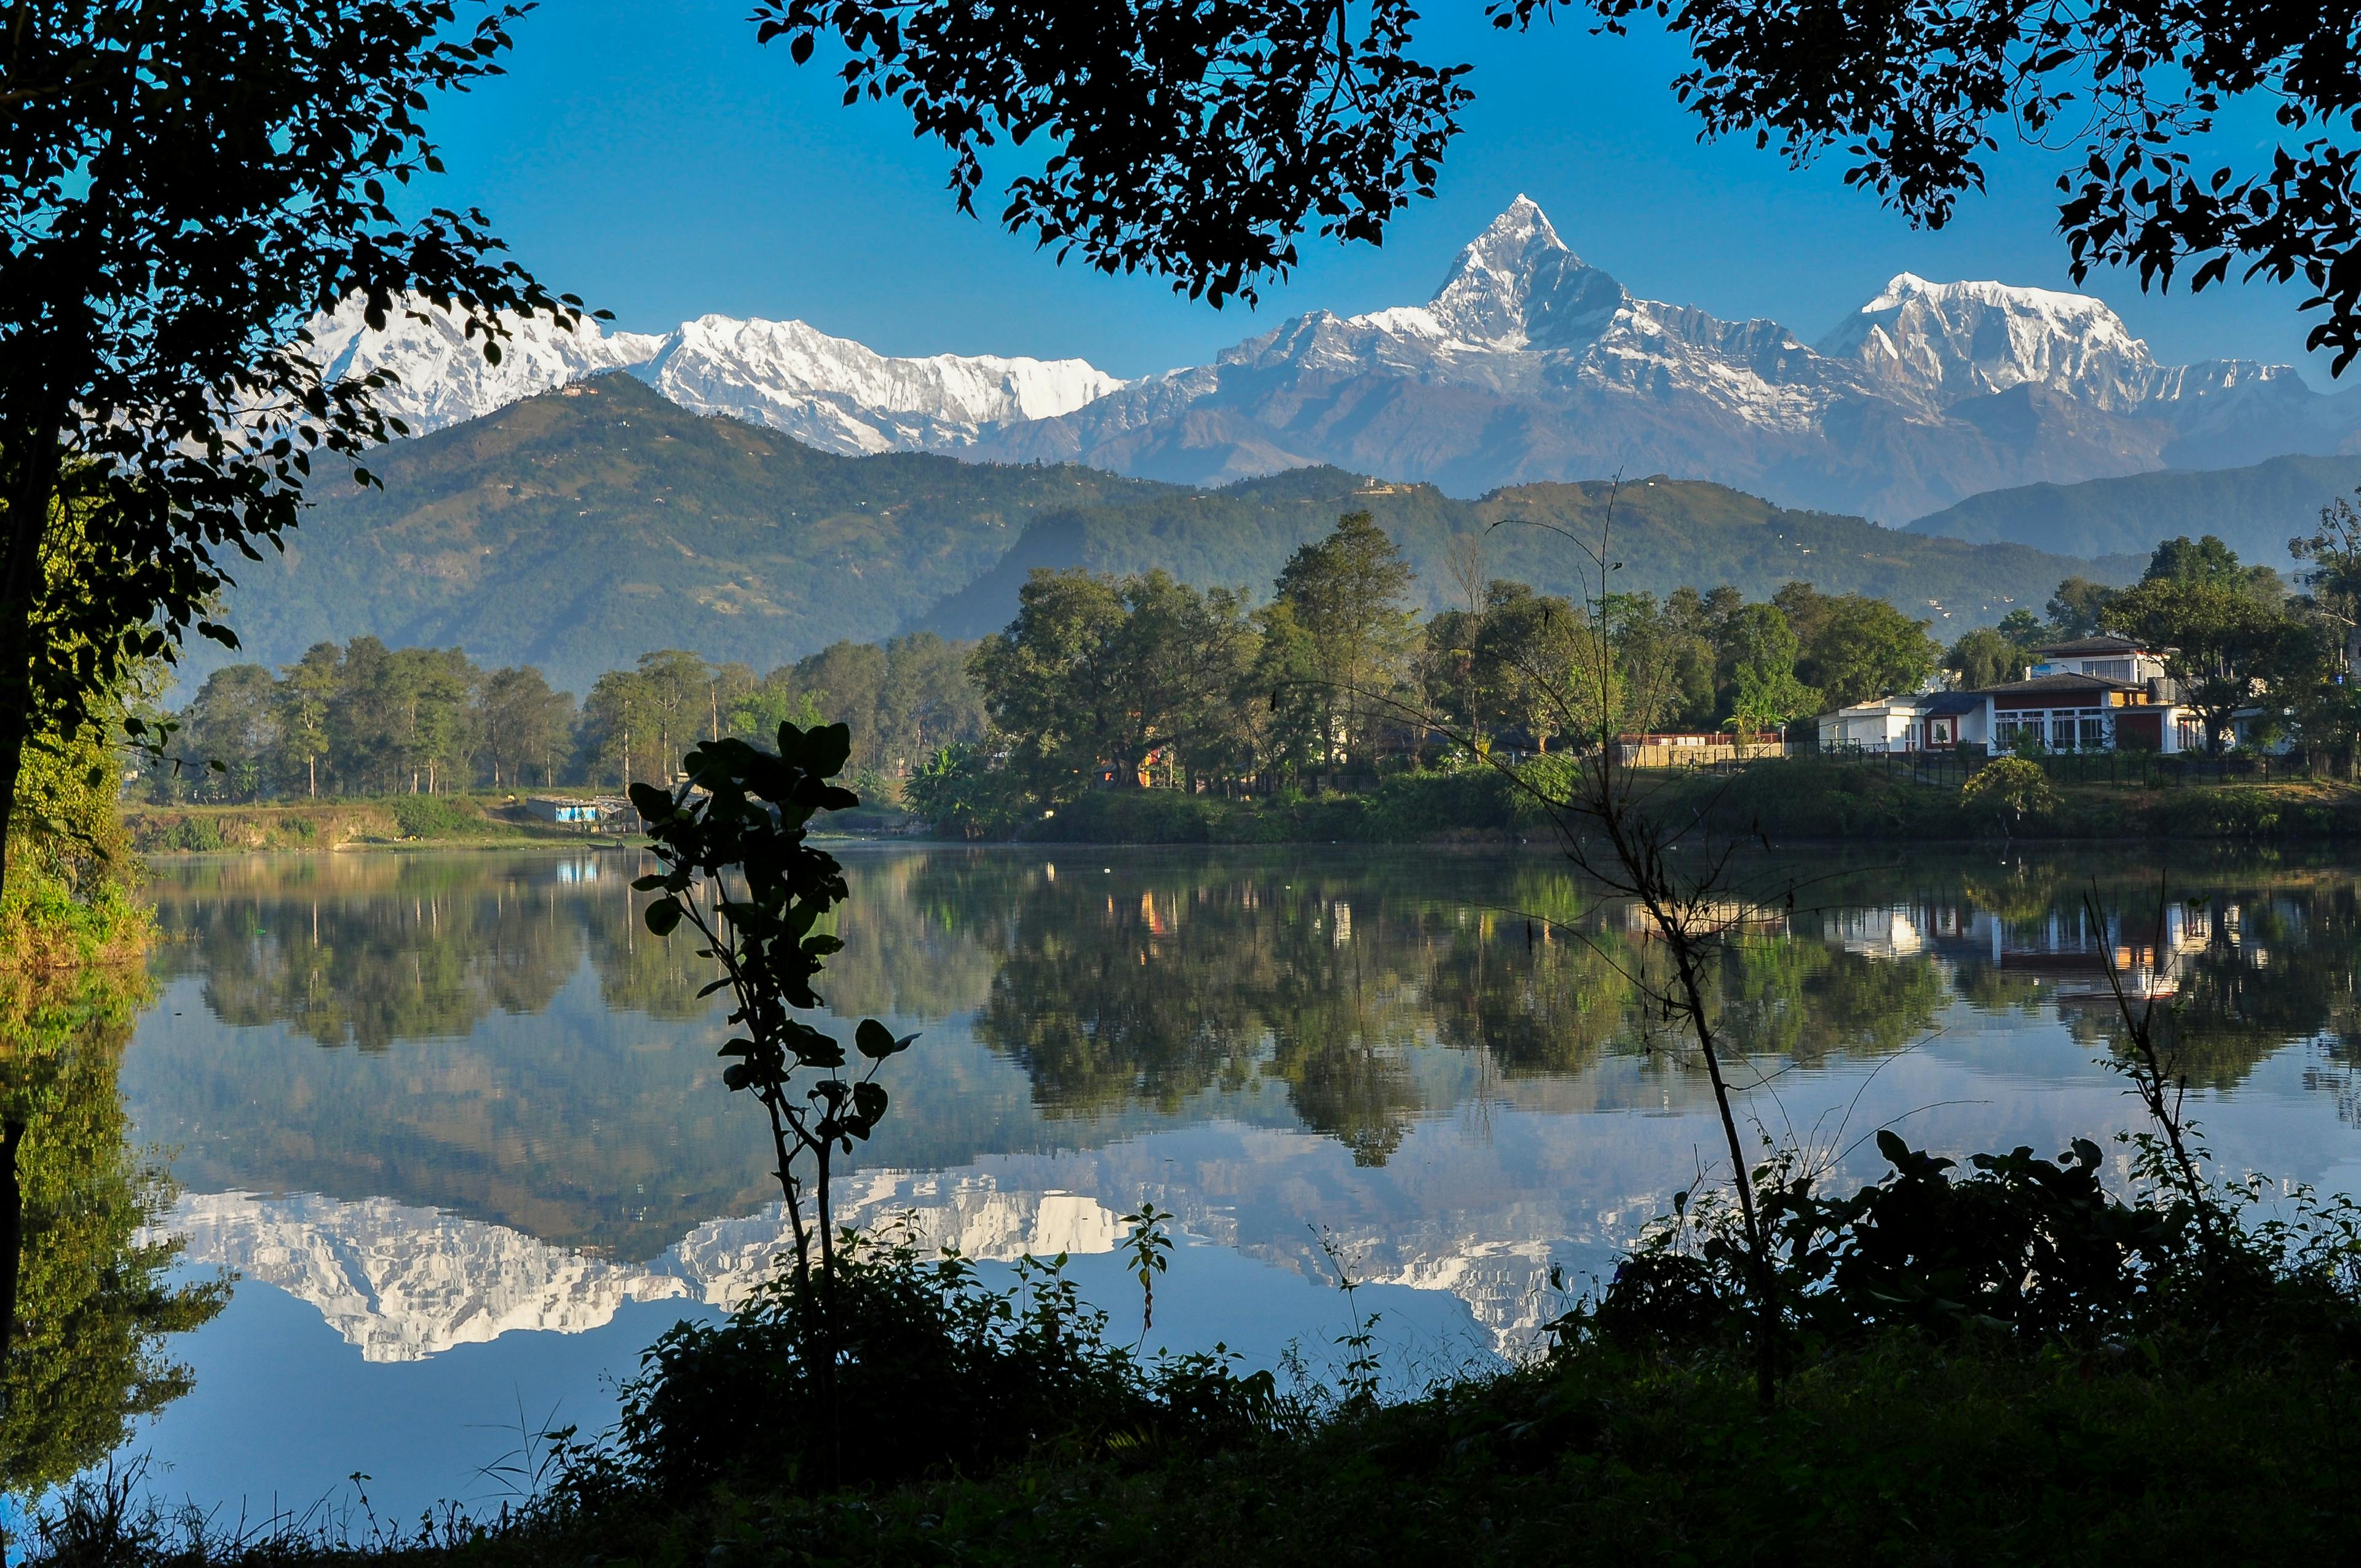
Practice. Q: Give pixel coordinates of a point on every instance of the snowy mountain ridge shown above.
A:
(1529, 365)
(1526, 365)
(827, 392)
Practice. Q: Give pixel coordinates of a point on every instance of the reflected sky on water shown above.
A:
(456, 1121)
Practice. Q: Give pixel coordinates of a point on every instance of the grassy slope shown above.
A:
(1915, 1458)
(1804, 799)
(462, 820)
(1904, 1455)
(2255, 509)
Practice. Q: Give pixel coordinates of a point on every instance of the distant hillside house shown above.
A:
(565, 810)
(2095, 694)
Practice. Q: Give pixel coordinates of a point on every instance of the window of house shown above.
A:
(2109, 669)
(2061, 733)
(1939, 732)
(2094, 734)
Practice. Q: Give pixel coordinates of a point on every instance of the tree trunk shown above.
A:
(29, 502)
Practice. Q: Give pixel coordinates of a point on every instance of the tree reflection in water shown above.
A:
(95, 1300)
(1349, 992)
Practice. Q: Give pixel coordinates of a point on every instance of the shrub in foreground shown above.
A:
(937, 1375)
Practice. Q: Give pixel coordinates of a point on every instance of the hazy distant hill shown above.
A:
(577, 529)
(2256, 510)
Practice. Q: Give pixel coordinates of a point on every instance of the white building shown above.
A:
(2095, 694)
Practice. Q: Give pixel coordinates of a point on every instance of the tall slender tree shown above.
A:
(307, 688)
(524, 723)
(1344, 634)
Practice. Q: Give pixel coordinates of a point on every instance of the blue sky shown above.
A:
(651, 157)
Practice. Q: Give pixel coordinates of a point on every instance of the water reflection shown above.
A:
(439, 1099)
(1124, 992)
(97, 1294)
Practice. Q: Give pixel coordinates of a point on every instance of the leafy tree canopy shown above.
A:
(181, 183)
(2227, 631)
(1198, 139)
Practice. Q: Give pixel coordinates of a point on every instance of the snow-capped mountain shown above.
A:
(443, 376)
(1526, 365)
(834, 394)
(1946, 341)
(827, 392)
(405, 1281)
(1529, 365)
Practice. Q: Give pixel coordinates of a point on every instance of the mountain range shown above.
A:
(1527, 365)
(579, 528)
(827, 392)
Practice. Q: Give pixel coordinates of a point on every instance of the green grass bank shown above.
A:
(1802, 798)
(407, 821)
(448, 820)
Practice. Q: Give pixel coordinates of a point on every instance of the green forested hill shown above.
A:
(1667, 533)
(2256, 510)
(576, 529)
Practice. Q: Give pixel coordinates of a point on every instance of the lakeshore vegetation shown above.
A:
(1141, 708)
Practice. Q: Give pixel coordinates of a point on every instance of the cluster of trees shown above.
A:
(1146, 680)
(2234, 636)
(361, 719)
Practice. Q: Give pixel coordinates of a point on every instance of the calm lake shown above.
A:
(456, 1122)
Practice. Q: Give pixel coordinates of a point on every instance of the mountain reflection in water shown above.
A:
(444, 1098)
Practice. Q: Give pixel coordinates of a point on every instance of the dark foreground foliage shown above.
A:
(938, 1374)
(1901, 1451)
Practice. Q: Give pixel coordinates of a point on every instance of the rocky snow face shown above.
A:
(827, 392)
(444, 376)
(1942, 342)
(1529, 365)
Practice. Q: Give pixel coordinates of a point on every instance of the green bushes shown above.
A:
(1142, 817)
(2010, 789)
(2012, 1252)
(194, 835)
(937, 1376)
(433, 815)
(1404, 809)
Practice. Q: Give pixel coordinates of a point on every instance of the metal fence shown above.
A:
(2129, 770)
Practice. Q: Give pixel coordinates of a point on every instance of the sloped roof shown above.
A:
(1943, 704)
(2060, 685)
(2089, 647)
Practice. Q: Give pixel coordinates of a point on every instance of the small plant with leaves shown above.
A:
(1362, 1370)
(741, 871)
(1149, 1246)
